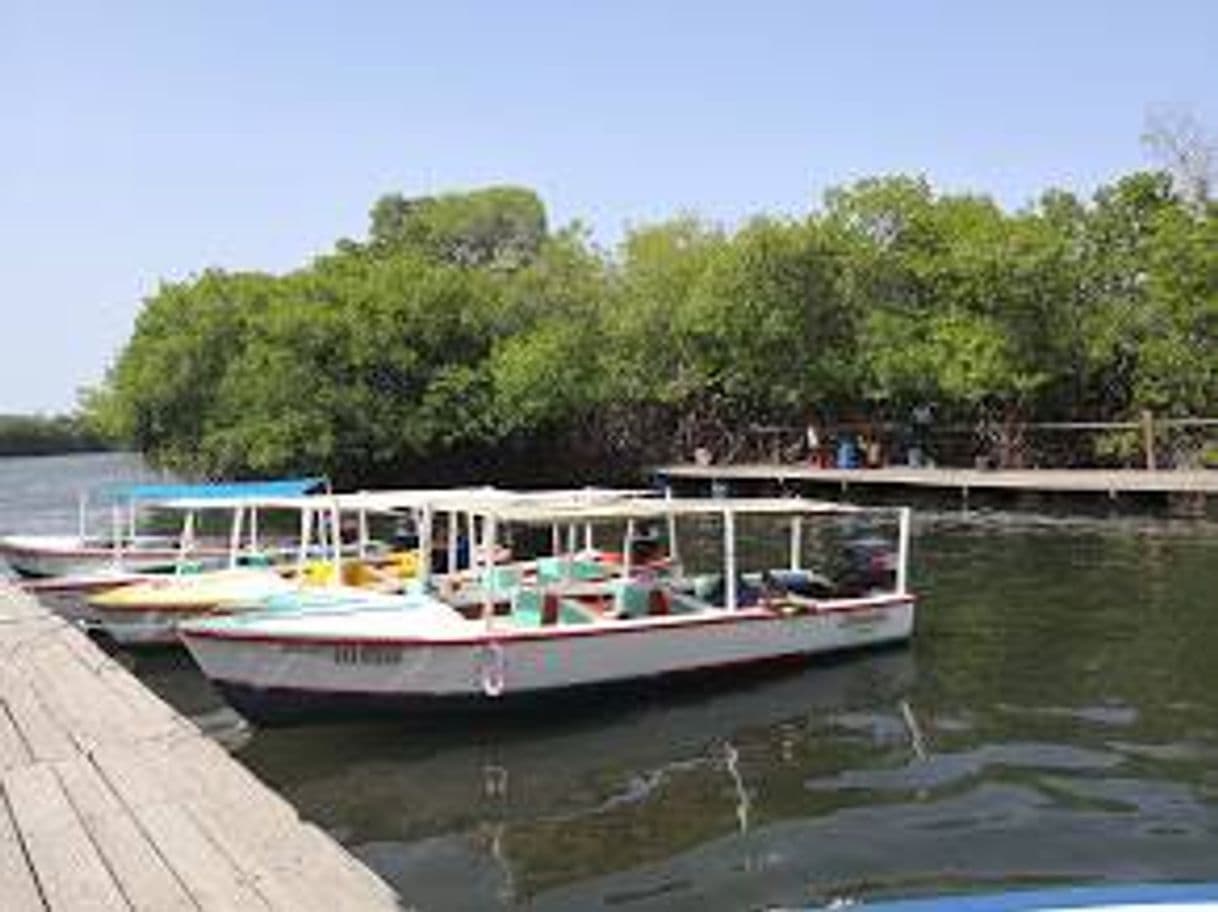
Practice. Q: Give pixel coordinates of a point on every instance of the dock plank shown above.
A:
(273, 845)
(20, 890)
(44, 737)
(41, 672)
(66, 863)
(13, 749)
(146, 880)
(151, 710)
(80, 700)
(209, 875)
(109, 799)
(206, 872)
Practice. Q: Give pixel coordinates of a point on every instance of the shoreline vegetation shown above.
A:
(48, 435)
(465, 338)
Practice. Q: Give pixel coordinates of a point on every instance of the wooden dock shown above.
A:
(1063, 481)
(113, 801)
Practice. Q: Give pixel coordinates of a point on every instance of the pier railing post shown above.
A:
(1148, 438)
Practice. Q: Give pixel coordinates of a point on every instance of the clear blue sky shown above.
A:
(149, 140)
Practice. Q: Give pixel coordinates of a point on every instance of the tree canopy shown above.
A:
(465, 338)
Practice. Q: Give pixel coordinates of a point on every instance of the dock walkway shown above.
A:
(1099, 481)
(111, 800)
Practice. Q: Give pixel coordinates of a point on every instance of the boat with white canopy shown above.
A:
(329, 564)
(147, 609)
(126, 546)
(585, 617)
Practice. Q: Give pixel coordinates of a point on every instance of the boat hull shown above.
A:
(69, 596)
(151, 617)
(273, 679)
(149, 613)
(38, 556)
(147, 627)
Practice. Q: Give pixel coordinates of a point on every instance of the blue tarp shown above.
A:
(1112, 897)
(280, 487)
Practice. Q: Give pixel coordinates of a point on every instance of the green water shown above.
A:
(1055, 720)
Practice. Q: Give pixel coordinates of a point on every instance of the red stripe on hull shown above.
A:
(626, 627)
(286, 704)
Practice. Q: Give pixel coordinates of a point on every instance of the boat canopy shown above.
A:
(229, 490)
(483, 499)
(658, 508)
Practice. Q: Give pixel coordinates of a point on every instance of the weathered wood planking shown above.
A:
(111, 800)
(1102, 481)
(66, 863)
(147, 881)
(20, 891)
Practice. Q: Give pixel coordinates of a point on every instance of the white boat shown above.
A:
(125, 547)
(514, 639)
(147, 610)
(321, 570)
(71, 594)
(51, 556)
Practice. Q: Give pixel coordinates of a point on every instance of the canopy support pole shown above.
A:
(234, 536)
(903, 553)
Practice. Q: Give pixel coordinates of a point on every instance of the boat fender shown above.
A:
(493, 669)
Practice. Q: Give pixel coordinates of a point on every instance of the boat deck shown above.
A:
(112, 800)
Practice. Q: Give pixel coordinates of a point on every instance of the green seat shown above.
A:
(572, 612)
(631, 600)
(501, 579)
(552, 569)
(589, 570)
(526, 607)
(529, 609)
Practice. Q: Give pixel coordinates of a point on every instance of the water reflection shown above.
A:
(1055, 719)
(574, 799)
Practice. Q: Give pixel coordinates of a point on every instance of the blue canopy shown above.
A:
(281, 487)
(1177, 896)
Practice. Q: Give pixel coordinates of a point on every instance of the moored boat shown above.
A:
(323, 571)
(125, 547)
(147, 611)
(516, 638)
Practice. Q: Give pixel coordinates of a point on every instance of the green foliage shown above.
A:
(499, 226)
(41, 435)
(463, 335)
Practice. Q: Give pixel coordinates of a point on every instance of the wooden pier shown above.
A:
(1194, 486)
(111, 800)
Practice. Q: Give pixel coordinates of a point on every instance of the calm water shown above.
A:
(1056, 719)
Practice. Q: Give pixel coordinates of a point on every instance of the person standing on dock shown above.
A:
(813, 443)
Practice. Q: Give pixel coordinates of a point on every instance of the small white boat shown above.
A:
(70, 594)
(147, 610)
(52, 556)
(512, 639)
(125, 547)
